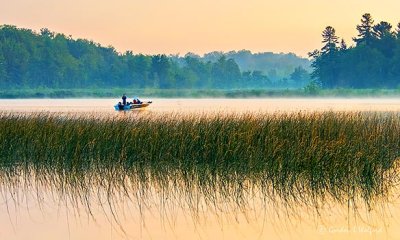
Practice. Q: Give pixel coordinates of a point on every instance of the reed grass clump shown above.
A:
(299, 158)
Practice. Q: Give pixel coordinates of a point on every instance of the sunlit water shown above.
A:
(205, 105)
(32, 212)
(39, 212)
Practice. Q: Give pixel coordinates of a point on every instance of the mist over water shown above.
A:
(269, 105)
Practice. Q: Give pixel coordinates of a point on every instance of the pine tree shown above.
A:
(343, 45)
(330, 39)
(398, 31)
(365, 30)
(383, 29)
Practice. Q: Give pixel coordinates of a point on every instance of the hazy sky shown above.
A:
(199, 26)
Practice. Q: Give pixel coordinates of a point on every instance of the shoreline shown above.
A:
(198, 93)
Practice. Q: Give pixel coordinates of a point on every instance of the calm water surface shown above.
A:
(29, 211)
(205, 105)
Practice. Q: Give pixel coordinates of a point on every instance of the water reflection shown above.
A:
(169, 190)
(139, 193)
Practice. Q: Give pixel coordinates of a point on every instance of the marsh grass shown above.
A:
(214, 161)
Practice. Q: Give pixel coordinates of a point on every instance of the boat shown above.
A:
(128, 106)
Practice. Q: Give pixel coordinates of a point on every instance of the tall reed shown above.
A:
(299, 158)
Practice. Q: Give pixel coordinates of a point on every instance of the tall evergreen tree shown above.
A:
(373, 63)
(330, 39)
(315, 64)
(365, 30)
(398, 31)
(386, 39)
(343, 45)
(383, 29)
(329, 57)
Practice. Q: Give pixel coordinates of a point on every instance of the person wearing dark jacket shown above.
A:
(124, 99)
(120, 106)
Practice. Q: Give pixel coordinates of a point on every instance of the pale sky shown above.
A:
(199, 26)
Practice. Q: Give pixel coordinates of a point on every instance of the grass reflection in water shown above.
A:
(218, 163)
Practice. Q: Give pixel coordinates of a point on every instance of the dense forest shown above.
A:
(374, 61)
(52, 60)
(276, 66)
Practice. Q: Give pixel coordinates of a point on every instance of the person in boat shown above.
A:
(136, 100)
(120, 106)
(124, 99)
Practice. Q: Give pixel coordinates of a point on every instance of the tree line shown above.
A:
(53, 60)
(373, 62)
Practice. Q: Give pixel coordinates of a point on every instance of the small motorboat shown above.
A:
(129, 106)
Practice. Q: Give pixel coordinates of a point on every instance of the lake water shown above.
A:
(271, 105)
(47, 211)
(30, 210)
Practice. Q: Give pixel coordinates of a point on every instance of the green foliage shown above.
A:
(373, 63)
(313, 88)
(365, 30)
(275, 65)
(53, 60)
(330, 39)
(300, 77)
